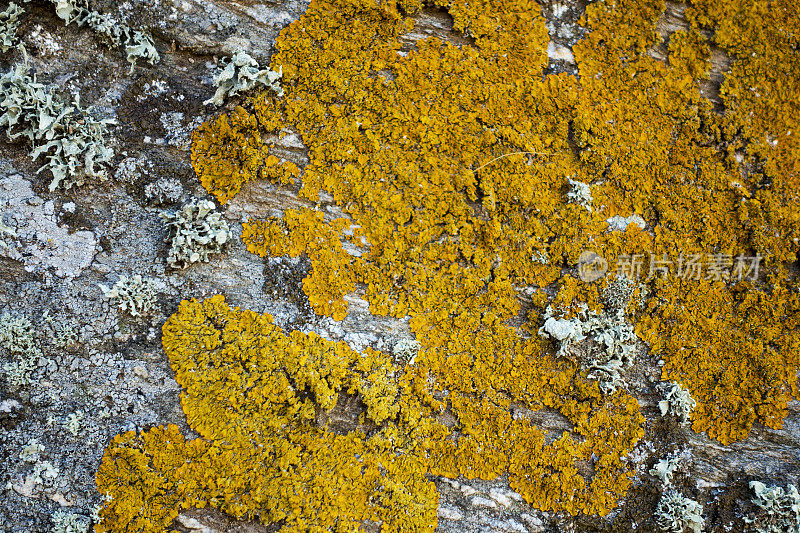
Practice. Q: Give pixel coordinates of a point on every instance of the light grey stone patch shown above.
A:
(449, 513)
(534, 523)
(164, 191)
(501, 497)
(178, 129)
(468, 491)
(41, 243)
(43, 41)
(560, 53)
(480, 501)
(618, 223)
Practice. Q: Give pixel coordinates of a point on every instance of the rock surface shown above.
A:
(111, 374)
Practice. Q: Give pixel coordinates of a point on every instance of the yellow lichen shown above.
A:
(451, 165)
(303, 231)
(228, 152)
(253, 394)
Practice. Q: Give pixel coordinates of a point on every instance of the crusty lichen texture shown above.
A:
(452, 167)
(253, 394)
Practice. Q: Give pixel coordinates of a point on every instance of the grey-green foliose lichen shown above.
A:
(9, 23)
(73, 142)
(243, 74)
(137, 44)
(196, 231)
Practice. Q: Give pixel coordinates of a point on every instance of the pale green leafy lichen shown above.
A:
(678, 402)
(73, 423)
(243, 74)
(196, 231)
(66, 522)
(677, 514)
(32, 451)
(136, 43)
(134, 295)
(579, 193)
(619, 223)
(9, 23)
(610, 346)
(781, 508)
(618, 293)
(44, 473)
(63, 331)
(70, 138)
(665, 468)
(18, 336)
(405, 351)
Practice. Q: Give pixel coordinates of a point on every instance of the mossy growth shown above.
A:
(449, 164)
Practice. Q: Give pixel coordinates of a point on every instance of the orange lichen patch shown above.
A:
(452, 166)
(228, 152)
(148, 477)
(253, 393)
(738, 351)
(762, 113)
(303, 231)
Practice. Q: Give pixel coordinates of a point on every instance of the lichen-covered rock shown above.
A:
(9, 23)
(422, 153)
(137, 44)
(19, 338)
(241, 74)
(779, 508)
(134, 295)
(677, 514)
